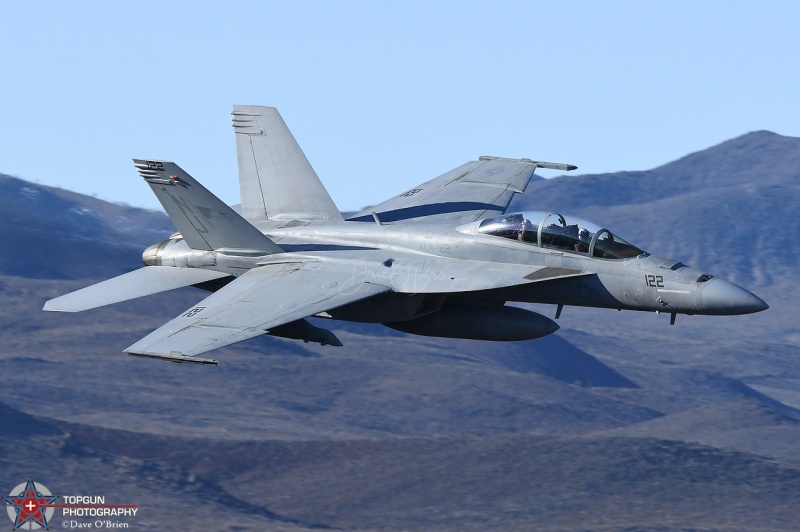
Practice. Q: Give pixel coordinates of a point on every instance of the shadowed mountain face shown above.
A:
(51, 233)
(730, 209)
(617, 422)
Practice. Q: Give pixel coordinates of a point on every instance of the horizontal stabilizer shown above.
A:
(138, 283)
(204, 221)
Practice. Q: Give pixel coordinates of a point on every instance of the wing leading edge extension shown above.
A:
(472, 191)
(262, 298)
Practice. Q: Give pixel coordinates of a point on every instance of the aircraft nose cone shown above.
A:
(724, 298)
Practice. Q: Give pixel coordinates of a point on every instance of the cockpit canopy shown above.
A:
(556, 231)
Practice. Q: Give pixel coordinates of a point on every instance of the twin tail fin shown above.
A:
(204, 221)
(275, 178)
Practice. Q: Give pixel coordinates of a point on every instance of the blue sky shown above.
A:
(384, 95)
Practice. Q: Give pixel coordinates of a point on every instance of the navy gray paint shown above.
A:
(441, 259)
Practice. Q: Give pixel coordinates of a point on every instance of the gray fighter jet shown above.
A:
(441, 259)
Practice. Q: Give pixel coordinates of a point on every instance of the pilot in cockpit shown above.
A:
(527, 232)
(513, 226)
(584, 239)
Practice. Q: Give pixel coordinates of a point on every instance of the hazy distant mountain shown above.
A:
(617, 422)
(758, 159)
(730, 209)
(53, 233)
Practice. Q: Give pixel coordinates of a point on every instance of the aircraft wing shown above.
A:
(475, 190)
(138, 283)
(260, 299)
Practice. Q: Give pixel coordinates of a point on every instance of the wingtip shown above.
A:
(51, 306)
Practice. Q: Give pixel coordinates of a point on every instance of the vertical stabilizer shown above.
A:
(205, 222)
(275, 178)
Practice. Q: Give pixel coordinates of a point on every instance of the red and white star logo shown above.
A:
(31, 505)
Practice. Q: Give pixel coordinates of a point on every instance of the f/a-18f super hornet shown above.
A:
(441, 259)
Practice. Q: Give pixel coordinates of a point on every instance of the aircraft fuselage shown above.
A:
(415, 256)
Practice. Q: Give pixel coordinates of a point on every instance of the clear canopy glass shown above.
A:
(557, 231)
